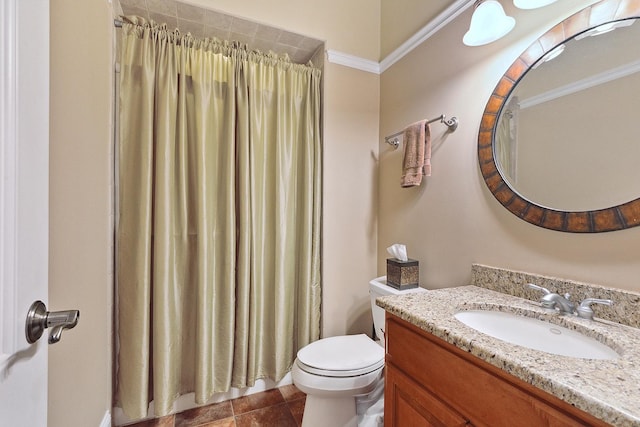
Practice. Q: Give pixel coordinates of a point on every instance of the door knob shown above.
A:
(39, 319)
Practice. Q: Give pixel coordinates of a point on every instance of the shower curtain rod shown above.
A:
(452, 124)
(117, 23)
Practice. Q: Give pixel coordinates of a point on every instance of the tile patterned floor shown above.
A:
(280, 407)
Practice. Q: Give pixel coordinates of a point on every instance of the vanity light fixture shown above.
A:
(488, 23)
(605, 28)
(532, 4)
(552, 54)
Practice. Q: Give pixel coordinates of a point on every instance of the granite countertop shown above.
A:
(607, 389)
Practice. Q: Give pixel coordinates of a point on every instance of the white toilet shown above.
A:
(342, 375)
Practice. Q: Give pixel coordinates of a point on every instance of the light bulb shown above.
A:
(532, 4)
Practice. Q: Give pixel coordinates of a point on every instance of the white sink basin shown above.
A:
(535, 334)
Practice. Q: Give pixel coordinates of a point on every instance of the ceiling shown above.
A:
(204, 23)
(402, 19)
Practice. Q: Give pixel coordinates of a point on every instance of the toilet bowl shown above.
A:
(343, 375)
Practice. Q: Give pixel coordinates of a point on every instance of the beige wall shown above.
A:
(350, 193)
(453, 220)
(80, 184)
(580, 128)
(449, 223)
(80, 250)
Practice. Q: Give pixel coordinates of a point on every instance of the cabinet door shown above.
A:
(408, 404)
(484, 394)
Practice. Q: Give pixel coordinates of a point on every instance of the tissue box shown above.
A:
(402, 274)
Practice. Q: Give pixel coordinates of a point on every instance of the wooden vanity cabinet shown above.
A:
(414, 405)
(429, 382)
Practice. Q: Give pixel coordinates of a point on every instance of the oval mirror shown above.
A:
(557, 144)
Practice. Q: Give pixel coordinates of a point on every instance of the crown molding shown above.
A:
(580, 85)
(352, 61)
(425, 33)
(405, 48)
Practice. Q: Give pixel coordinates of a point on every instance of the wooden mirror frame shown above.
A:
(595, 221)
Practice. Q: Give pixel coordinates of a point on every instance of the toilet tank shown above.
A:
(378, 288)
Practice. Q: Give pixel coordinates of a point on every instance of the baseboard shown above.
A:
(106, 420)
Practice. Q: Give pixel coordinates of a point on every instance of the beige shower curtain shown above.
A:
(218, 237)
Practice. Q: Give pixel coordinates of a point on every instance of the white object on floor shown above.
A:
(342, 376)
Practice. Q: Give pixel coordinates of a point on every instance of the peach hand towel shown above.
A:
(416, 161)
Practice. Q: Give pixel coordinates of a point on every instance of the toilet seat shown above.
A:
(341, 356)
(343, 377)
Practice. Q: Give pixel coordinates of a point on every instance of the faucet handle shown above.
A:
(545, 303)
(539, 288)
(585, 311)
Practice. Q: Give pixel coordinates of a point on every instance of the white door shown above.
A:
(24, 181)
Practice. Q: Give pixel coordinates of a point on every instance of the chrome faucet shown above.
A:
(585, 311)
(555, 301)
(560, 302)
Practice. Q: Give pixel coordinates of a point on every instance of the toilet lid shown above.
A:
(347, 355)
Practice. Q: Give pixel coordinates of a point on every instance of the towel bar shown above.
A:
(451, 123)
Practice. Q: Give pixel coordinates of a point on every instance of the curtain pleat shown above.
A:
(218, 239)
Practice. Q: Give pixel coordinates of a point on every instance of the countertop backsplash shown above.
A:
(625, 309)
